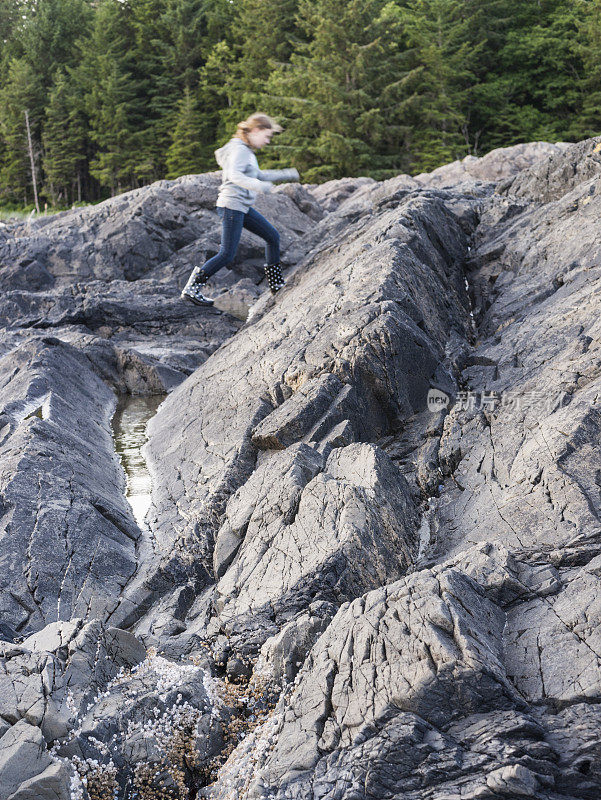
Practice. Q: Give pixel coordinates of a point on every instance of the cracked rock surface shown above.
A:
(346, 587)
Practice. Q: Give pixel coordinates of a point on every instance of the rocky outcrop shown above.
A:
(371, 565)
(412, 689)
(304, 529)
(27, 772)
(401, 668)
(61, 669)
(46, 682)
(113, 272)
(350, 368)
(551, 178)
(114, 715)
(500, 164)
(68, 535)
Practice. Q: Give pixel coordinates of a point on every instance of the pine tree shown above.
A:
(194, 27)
(64, 143)
(485, 30)
(82, 80)
(214, 86)
(49, 36)
(339, 95)
(264, 34)
(112, 131)
(185, 152)
(21, 91)
(535, 79)
(198, 59)
(10, 22)
(437, 78)
(587, 122)
(152, 110)
(113, 100)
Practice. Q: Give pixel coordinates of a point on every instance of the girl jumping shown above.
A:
(241, 181)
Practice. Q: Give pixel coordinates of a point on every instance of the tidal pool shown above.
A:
(129, 431)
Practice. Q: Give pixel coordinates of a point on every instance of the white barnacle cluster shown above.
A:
(100, 746)
(75, 730)
(241, 768)
(164, 726)
(168, 727)
(121, 676)
(211, 684)
(88, 774)
(71, 705)
(166, 675)
(76, 786)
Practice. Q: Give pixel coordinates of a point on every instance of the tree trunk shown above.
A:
(35, 188)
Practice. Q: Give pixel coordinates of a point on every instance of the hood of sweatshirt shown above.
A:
(222, 153)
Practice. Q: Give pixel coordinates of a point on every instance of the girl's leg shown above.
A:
(257, 224)
(231, 230)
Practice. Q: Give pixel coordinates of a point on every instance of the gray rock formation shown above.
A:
(309, 528)
(342, 590)
(27, 772)
(374, 326)
(497, 165)
(46, 682)
(404, 694)
(68, 535)
(51, 676)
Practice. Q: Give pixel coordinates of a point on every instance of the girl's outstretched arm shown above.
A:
(279, 174)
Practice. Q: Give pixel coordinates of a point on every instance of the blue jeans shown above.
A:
(231, 230)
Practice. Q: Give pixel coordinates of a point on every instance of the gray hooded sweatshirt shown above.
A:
(242, 178)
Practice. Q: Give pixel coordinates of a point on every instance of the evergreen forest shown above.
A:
(101, 96)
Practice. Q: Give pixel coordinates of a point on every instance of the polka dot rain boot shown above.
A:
(192, 290)
(275, 279)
